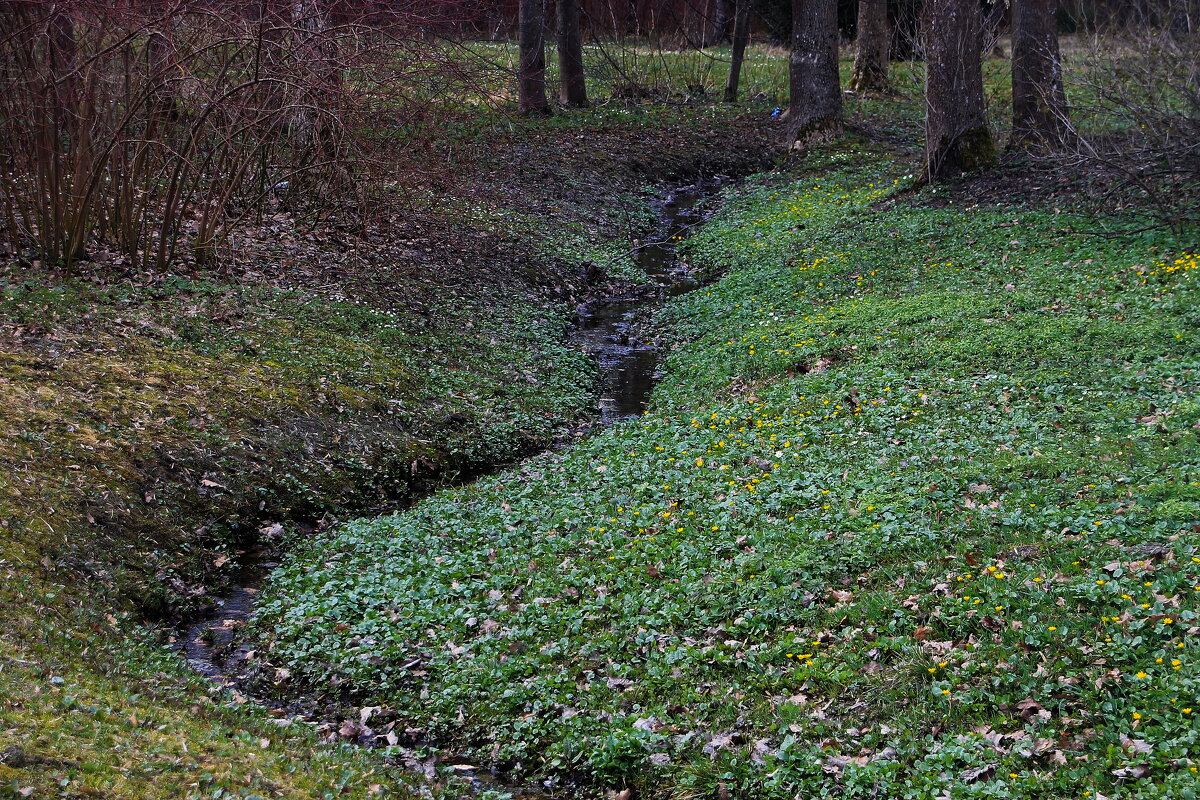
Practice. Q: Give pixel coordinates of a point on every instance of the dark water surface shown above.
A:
(607, 327)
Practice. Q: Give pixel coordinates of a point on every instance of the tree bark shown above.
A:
(720, 29)
(531, 69)
(63, 52)
(160, 46)
(871, 48)
(741, 35)
(572, 89)
(1039, 103)
(957, 138)
(815, 108)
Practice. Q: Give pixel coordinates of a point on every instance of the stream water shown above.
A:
(610, 329)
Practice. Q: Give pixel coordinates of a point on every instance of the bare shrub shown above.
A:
(1135, 96)
(156, 128)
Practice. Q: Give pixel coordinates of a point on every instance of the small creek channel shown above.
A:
(610, 329)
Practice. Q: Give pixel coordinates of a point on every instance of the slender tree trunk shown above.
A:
(63, 53)
(1039, 103)
(957, 138)
(572, 87)
(531, 69)
(990, 24)
(815, 110)
(871, 48)
(720, 29)
(741, 35)
(160, 46)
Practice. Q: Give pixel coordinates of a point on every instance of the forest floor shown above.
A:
(913, 512)
(157, 424)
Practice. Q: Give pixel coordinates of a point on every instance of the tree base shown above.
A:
(971, 150)
(814, 131)
(870, 81)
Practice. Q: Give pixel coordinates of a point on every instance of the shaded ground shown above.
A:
(154, 423)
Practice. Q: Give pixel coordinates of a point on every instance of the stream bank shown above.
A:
(612, 329)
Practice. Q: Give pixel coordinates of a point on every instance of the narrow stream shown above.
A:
(608, 327)
(609, 330)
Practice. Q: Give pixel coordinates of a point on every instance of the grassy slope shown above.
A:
(914, 514)
(152, 423)
(141, 450)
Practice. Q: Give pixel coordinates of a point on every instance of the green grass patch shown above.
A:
(911, 513)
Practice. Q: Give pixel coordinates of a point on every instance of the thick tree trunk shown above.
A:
(741, 34)
(720, 28)
(871, 48)
(572, 89)
(531, 69)
(957, 138)
(317, 114)
(160, 51)
(815, 109)
(1039, 103)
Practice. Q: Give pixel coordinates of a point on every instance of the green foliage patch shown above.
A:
(911, 516)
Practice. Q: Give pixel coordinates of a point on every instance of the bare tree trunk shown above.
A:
(317, 108)
(159, 55)
(815, 109)
(871, 48)
(62, 53)
(572, 87)
(957, 138)
(720, 29)
(1039, 103)
(531, 69)
(741, 34)
(990, 25)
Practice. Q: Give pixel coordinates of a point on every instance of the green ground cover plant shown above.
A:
(913, 514)
(155, 424)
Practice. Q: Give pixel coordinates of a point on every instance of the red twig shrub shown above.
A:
(155, 128)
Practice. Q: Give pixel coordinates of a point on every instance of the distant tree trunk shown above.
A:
(871, 48)
(531, 69)
(720, 29)
(159, 55)
(62, 52)
(1039, 103)
(957, 138)
(572, 87)
(815, 108)
(989, 42)
(741, 34)
(317, 115)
